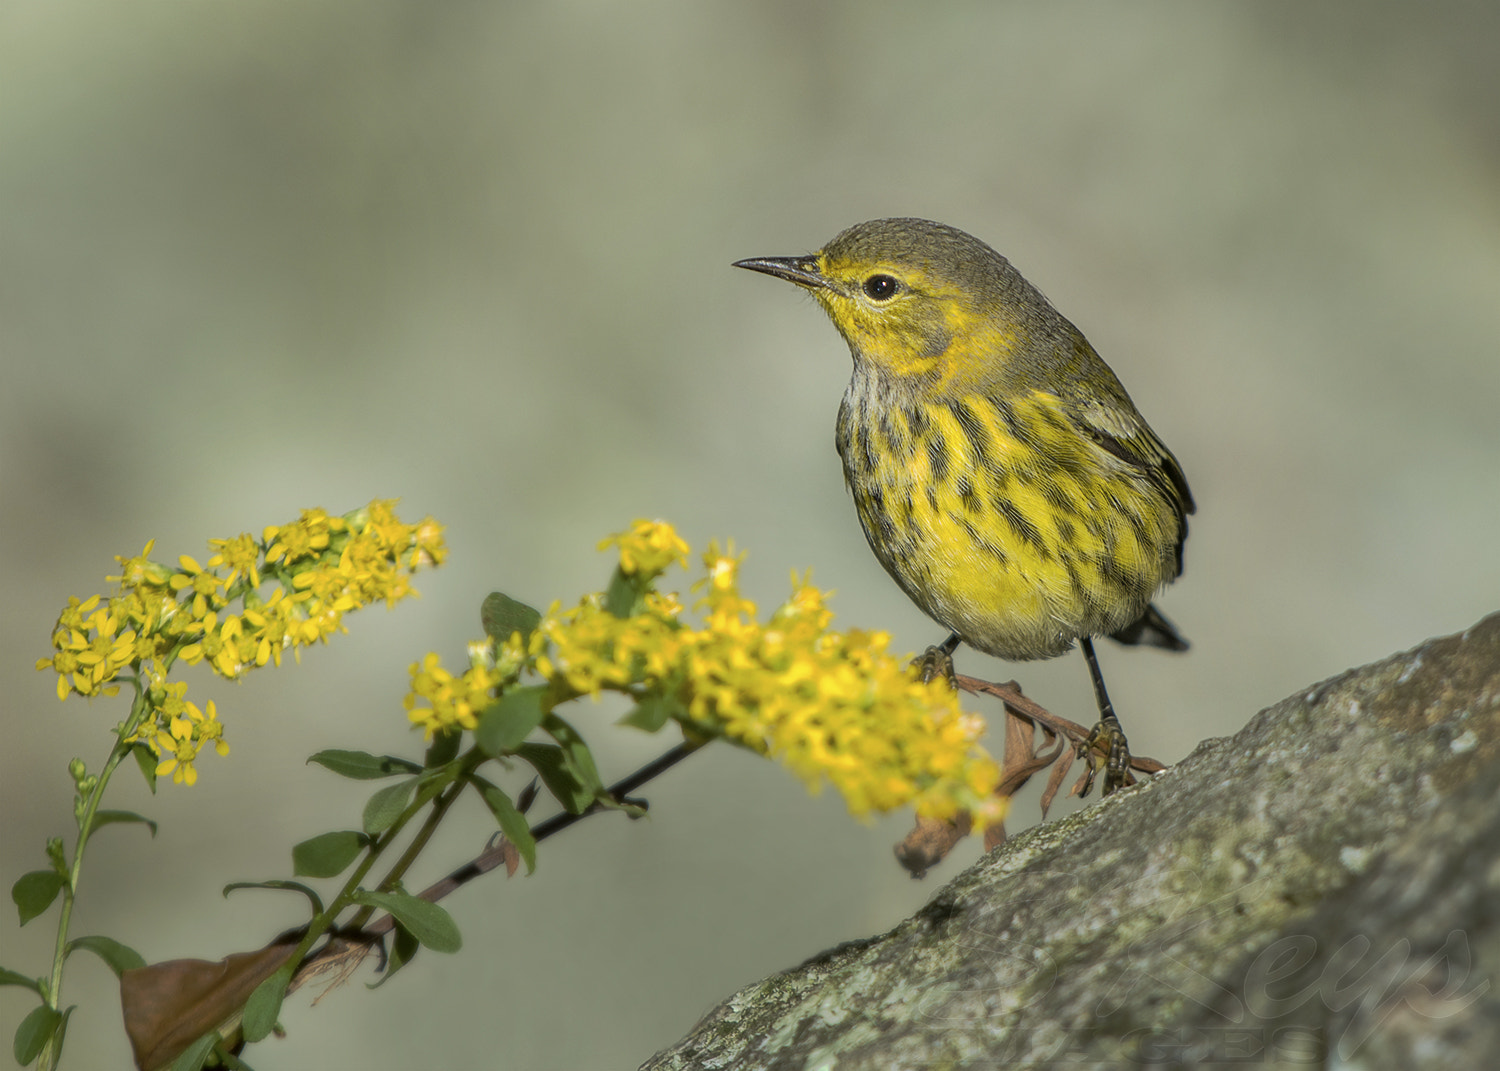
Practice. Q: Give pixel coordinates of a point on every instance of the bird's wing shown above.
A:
(1124, 434)
(1121, 432)
(1101, 410)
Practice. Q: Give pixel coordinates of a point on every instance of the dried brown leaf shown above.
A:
(1055, 779)
(994, 836)
(929, 843)
(512, 856)
(168, 1006)
(1054, 728)
(1028, 762)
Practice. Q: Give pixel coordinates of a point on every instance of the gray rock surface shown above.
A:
(1318, 890)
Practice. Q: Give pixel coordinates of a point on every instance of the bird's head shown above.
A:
(918, 300)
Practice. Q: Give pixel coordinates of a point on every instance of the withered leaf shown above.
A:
(929, 843)
(1055, 779)
(169, 1005)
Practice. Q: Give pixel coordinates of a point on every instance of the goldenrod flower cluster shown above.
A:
(648, 548)
(834, 706)
(454, 702)
(321, 566)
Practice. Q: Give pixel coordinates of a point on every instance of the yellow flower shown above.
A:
(141, 571)
(180, 754)
(649, 547)
(205, 586)
(380, 525)
(98, 654)
(307, 537)
(75, 614)
(241, 554)
(320, 569)
(206, 727)
(179, 734)
(453, 702)
(833, 707)
(428, 547)
(65, 662)
(327, 585)
(273, 623)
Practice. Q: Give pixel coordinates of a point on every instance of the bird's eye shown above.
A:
(881, 287)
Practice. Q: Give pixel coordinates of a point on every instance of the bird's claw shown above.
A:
(1108, 752)
(935, 663)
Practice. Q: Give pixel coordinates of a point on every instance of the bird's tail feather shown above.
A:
(1151, 629)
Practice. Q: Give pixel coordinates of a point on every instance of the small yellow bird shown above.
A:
(1002, 475)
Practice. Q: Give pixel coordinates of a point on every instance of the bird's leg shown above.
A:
(937, 662)
(1105, 746)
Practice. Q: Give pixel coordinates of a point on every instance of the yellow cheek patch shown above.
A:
(978, 346)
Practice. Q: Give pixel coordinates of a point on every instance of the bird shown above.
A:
(1001, 473)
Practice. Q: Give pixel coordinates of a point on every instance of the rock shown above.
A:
(1321, 887)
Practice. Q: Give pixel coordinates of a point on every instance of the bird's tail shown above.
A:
(1151, 629)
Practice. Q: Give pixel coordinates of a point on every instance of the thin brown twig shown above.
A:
(1009, 693)
(1064, 741)
(349, 943)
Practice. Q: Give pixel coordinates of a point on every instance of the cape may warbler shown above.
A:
(1002, 475)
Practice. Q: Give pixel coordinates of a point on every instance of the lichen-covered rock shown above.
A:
(1320, 887)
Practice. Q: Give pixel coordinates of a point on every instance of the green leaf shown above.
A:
(148, 761)
(506, 723)
(552, 767)
(35, 891)
(428, 922)
(328, 854)
(386, 806)
(8, 977)
(109, 818)
(502, 617)
(512, 823)
(403, 949)
(577, 756)
(196, 1055)
(362, 766)
(118, 957)
(654, 711)
(34, 1032)
(62, 1032)
(264, 1005)
(622, 596)
(290, 886)
(229, 1060)
(442, 750)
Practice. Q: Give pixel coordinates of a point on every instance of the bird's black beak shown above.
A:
(800, 270)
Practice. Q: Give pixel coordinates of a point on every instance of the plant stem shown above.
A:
(324, 920)
(492, 857)
(429, 827)
(47, 1059)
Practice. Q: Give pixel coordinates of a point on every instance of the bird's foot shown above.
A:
(935, 663)
(1107, 751)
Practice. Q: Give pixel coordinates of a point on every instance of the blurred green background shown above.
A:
(262, 256)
